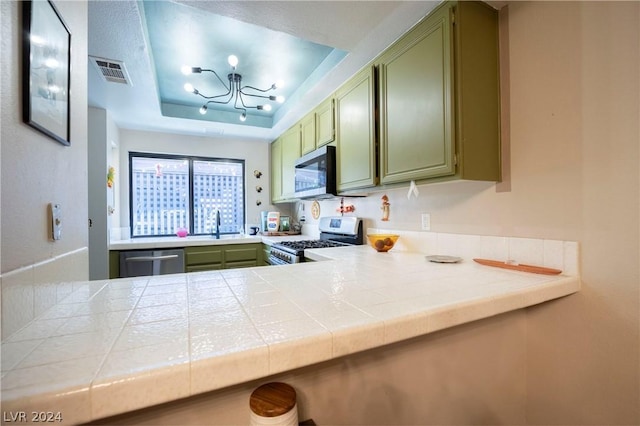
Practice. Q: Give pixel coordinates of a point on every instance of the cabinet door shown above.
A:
(266, 252)
(416, 104)
(114, 264)
(276, 170)
(290, 153)
(308, 133)
(202, 268)
(203, 258)
(355, 132)
(325, 123)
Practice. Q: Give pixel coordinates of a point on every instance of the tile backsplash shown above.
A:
(556, 254)
(29, 291)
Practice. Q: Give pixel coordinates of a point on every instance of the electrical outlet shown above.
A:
(426, 222)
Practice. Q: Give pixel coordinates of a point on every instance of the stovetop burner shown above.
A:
(334, 232)
(310, 244)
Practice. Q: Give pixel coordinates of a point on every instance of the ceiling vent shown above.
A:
(111, 71)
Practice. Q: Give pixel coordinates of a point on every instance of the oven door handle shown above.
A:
(272, 260)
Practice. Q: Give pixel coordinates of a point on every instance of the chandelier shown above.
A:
(235, 91)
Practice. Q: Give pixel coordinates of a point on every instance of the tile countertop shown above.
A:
(115, 346)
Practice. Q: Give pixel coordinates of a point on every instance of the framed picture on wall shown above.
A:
(46, 66)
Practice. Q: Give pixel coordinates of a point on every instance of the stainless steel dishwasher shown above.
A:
(138, 263)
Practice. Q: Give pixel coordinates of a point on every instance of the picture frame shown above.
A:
(46, 70)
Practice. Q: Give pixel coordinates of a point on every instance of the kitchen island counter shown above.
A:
(111, 347)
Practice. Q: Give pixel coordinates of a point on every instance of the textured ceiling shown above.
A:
(120, 30)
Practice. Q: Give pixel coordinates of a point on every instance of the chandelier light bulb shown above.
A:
(266, 107)
(186, 69)
(203, 109)
(189, 88)
(51, 63)
(233, 60)
(278, 84)
(280, 99)
(243, 116)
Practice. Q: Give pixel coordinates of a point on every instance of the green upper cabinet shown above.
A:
(284, 152)
(308, 133)
(439, 98)
(290, 153)
(325, 123)
(318, 127)
(355, 132)
(276, 170)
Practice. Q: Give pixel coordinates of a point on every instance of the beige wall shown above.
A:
(583, 361)
(36, 170)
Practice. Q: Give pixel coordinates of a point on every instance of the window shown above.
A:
(170, 192)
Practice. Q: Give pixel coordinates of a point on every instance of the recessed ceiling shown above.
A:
(182, 35)
(314, 46)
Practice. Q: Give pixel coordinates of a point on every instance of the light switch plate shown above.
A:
(426, 222)
(56, 221)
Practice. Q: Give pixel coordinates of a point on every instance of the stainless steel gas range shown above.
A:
(334, 232)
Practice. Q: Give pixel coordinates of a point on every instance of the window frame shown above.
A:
(190, 159)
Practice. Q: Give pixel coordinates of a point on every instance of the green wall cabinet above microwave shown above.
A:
(439, 98)
(318, 127)
(325, 123)
(308, 133)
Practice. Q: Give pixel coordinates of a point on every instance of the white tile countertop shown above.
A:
(118, 345)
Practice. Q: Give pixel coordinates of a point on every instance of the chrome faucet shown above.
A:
(217, 225)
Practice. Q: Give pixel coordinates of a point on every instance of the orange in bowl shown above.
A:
(382, 242)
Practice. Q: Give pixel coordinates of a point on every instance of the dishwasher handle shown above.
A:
(151, 258)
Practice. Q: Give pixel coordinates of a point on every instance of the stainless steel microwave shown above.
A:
(315, 174)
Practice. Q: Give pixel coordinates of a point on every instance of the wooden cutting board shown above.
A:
(519, 267)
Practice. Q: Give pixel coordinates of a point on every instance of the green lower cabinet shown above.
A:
(203, 258)
(201, 268)
(242, 256)
(266, 251)
(114, 264)
(228, 256)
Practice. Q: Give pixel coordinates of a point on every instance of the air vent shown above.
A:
(111, 71)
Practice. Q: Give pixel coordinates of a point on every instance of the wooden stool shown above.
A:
(274, 404)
